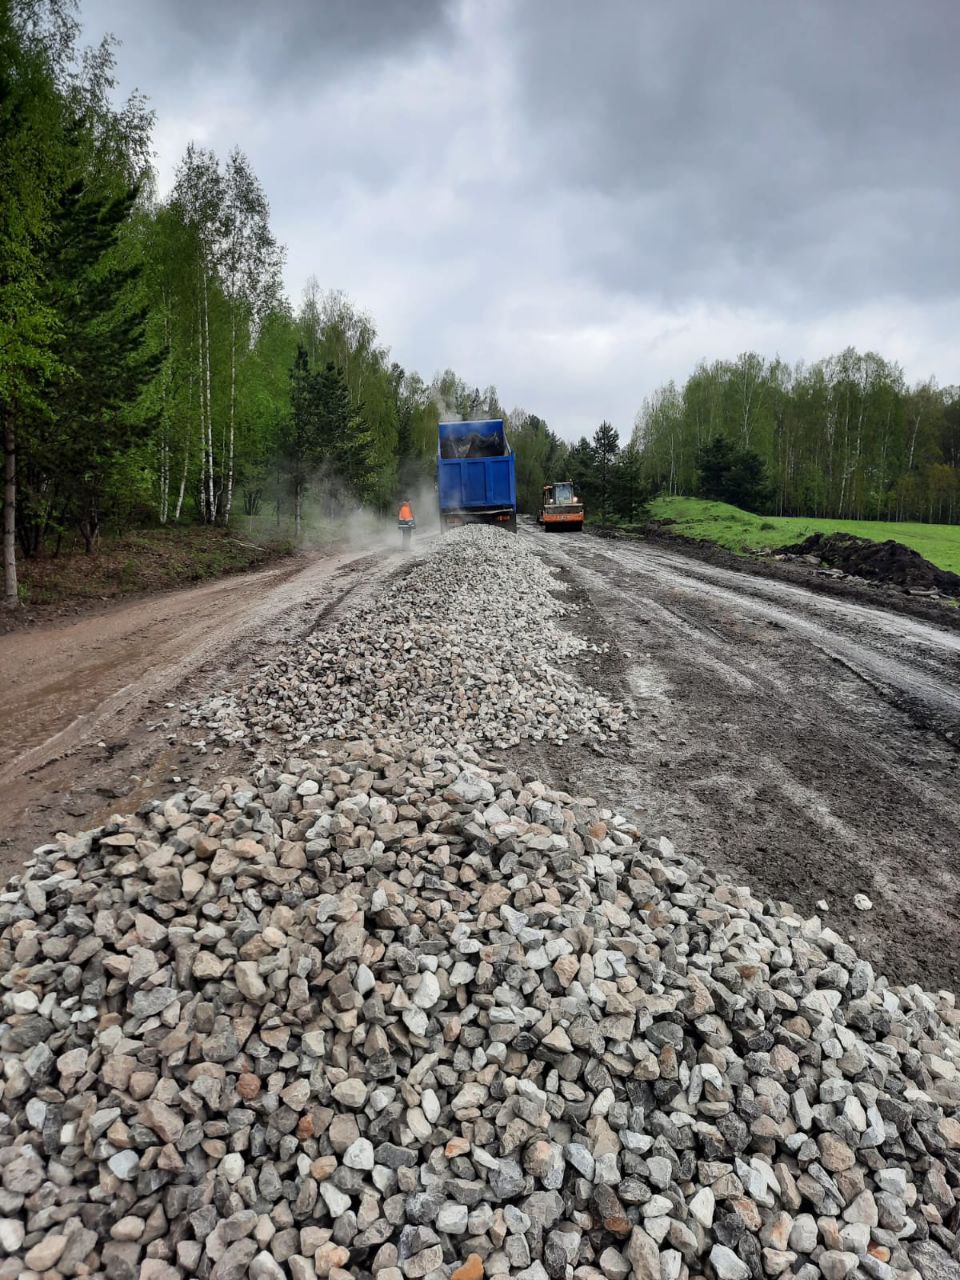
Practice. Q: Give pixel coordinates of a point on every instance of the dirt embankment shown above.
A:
(138, 564)
(889, 562)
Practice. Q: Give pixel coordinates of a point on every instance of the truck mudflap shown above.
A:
(505, 517)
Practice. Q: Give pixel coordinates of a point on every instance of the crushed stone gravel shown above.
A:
(461, 650)
(401, 1016)
(389, 1009)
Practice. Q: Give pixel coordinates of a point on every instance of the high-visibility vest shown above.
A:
(406, 511)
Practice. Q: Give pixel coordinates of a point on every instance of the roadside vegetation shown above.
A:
(845, 437)
(743, 531)
(153, 374)
(146, 560)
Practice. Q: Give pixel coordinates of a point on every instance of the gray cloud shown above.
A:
(749, 146)
(579, 201)
(269, 49)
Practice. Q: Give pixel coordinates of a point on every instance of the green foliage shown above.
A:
(741, 531)
(630, 489)
(31, 139)
(606, 446)
(611, 481)
(729, 474)
(145, 346)
(539, 455)
(844, 437)
(85, 422)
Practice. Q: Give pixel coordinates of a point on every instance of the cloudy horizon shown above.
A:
(577, 205)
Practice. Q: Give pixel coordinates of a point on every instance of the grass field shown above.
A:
(741, 530)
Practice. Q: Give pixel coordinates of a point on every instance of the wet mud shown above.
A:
(804, 744)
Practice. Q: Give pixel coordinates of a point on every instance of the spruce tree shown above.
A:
(606, 445)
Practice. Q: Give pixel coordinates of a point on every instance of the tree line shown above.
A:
(151, 368)
(845, 437)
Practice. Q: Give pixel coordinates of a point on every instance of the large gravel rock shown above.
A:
(392, 1011)
(371, 1015)
(463, 648)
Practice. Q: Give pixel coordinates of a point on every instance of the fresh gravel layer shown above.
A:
(408, 1017)
(461, 650)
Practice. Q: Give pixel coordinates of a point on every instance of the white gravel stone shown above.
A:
(359, 1155)
(486, 608)
(446, 1007)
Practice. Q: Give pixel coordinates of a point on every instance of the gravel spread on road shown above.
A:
(401, 1012)
(463, 649)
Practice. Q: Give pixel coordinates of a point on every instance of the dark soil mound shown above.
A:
(879, 561)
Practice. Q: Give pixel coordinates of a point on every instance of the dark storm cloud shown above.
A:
(277, 46)
(741, 147)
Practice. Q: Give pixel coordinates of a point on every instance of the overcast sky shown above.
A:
(578, 199)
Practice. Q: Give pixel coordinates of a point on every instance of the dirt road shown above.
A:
(83, 714)
(805, 743)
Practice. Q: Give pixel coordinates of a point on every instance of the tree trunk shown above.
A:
(89, 527)
(913, 439)
(164, 481)
(164, 431)
(206, 333)
(183, 485)
(298, 507)
(10, 596)
(202, 416)
(233, 406)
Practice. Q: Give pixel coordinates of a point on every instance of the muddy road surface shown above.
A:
(89, 720)
(806, 744)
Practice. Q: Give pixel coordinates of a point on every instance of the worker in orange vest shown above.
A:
(406, 521)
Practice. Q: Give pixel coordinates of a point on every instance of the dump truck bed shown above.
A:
(476, 476)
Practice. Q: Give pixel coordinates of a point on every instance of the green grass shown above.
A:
(741, 531)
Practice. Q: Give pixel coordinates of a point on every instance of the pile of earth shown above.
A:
(888, 561)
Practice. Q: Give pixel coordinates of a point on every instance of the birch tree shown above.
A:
(199, 193)
(250, 262)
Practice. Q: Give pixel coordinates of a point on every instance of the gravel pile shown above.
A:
(461, 650)
(403, 1017)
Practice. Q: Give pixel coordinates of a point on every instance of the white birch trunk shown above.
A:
(233, 406)
(202, 421)
(206, 335)
(165, 429)
(183, 485)
(913, 440)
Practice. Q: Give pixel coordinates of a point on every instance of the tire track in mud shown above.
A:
(928, 686)
(764, 747)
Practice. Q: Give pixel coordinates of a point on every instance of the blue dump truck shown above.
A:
(476, 478)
